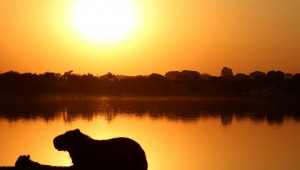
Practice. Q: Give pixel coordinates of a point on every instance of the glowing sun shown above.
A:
(104, 21)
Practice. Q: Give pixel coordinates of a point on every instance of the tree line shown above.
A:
(173, 83)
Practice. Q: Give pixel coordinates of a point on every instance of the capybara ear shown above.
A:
(77, 130)
(28, 156)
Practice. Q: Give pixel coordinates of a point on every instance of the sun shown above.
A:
(104, 21)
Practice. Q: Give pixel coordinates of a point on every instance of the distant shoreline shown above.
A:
(274, 84)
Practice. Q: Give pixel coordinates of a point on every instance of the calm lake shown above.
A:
(176, 134)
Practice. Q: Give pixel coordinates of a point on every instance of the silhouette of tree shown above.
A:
(296, 78)
(275, 81)
(257, 75)
(172, 75)
(275, 76)
(50, 82)
(295, 84)
(156, 77)
(288, 76)
(190, 75)
(174, 83)
(226, 72)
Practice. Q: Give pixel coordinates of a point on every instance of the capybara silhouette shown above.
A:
(24, 162)
(111, 154)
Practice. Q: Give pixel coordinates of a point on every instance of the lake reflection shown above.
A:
(176, 134)
(185, 109)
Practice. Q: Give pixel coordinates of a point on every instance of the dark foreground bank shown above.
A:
(36, 168)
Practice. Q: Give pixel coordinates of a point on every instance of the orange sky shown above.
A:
(202, 35)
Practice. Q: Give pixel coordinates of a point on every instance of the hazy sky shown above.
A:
(203, 35)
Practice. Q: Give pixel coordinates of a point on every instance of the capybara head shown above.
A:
(68, 140)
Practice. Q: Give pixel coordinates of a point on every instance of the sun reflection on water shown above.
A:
(169, 142)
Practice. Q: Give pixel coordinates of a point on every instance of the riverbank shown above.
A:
(35, 168)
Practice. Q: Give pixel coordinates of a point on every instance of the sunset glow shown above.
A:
(90, 36)
(103, 21)
(199, 84)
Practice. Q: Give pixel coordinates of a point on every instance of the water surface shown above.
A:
(213, 134)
